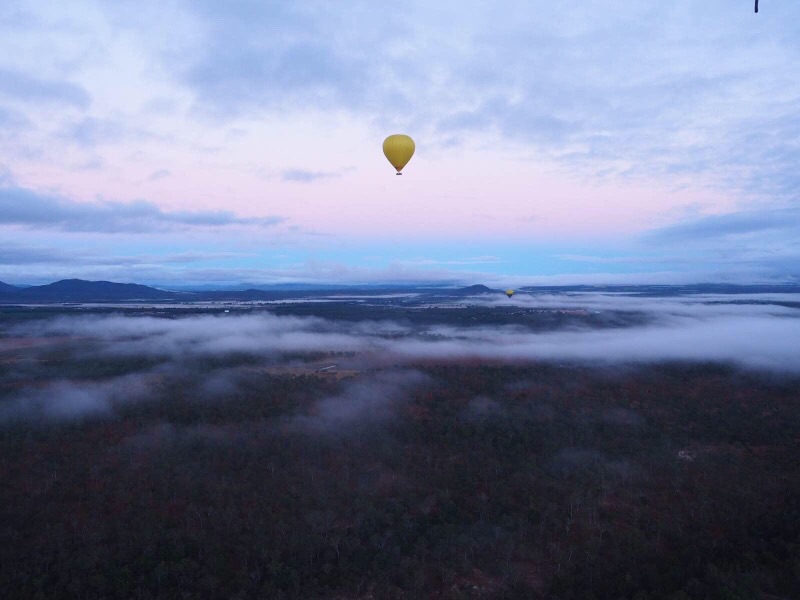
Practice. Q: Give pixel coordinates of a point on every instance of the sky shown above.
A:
(204, 142)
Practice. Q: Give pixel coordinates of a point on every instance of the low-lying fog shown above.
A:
(755, 332)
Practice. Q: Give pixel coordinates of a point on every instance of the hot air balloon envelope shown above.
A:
(509, 293)
(398, 149)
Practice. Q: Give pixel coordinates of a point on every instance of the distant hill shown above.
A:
(78, 290)
(472, 290)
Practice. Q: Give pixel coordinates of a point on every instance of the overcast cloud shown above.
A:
(19, 206)
(658, 139)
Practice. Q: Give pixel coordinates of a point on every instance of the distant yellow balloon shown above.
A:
(398, 149)
(509, 293)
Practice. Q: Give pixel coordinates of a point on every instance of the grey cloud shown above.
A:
(304, 176)
(151, 259)
(474, 260)
(160, 174)
(20, 206)
(24, 88)
(91, 131)
(739, 223)
(6, 178)
(622, 91)
(612, 260)
(257, 56)
(651, 120)
(14, 254)
(24, 254)
(13, 120)
(533, 121)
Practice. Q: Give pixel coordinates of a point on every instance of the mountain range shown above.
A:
(8, 289)
(79, 290)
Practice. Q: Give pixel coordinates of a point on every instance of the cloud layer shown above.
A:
(19, 206)
(659, 139)
(759, 332)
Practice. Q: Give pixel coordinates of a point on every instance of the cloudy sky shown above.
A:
(570, 141)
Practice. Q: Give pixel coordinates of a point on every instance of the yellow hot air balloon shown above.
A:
(398, 149)
(509, 293)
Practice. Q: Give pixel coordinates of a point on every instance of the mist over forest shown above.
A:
(751, 333)
(370, 447)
